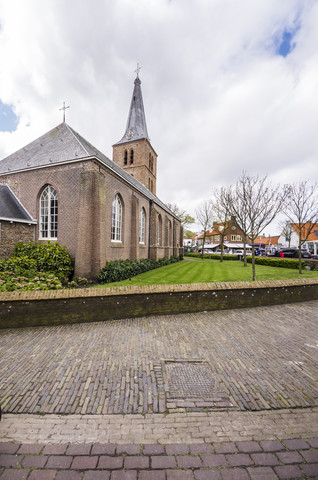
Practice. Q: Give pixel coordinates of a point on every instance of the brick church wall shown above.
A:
(13, 233)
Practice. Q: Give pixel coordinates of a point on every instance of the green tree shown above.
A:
(183, 216)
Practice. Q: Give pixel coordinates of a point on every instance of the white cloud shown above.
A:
(218, 98)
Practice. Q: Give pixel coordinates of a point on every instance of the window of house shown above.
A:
(117, 215)
(142, 221)
(125, 157)
(233, 237)
(239, 237)
(131, 156)
(159, 230)
(48, 213)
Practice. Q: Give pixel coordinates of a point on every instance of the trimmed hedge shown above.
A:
(211, 257)
(119, 270)
(278, 262)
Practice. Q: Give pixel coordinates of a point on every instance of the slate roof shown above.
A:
(61, 145)
(11, 208)
(136, 127)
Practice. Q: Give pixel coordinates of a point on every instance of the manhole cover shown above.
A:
(190, 379)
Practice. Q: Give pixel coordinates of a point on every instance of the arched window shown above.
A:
(131, 156)
(48, 213)
(125, 157)
(142, 222)
(169, 234)
(159, 230)
(117, 215)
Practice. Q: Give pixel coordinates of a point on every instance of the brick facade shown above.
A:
(12, 233)
(85, 192)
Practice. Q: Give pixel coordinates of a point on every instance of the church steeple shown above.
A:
(134, 152)
(136, 127)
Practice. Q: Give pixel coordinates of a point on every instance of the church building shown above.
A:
(61, 188)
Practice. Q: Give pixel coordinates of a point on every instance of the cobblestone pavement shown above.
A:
(248, 359)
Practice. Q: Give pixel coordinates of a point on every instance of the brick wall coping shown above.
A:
(135, 290)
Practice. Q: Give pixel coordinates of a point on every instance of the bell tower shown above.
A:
(134, 152)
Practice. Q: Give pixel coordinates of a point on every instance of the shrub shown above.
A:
(10, 281)
(277, 262)
(211, 256)
(119, 270)
(49, 257)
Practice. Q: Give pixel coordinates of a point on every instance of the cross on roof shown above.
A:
(138, 69)
(64, 108)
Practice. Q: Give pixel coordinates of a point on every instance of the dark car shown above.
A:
(293, 253)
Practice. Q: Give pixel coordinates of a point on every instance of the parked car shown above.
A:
(293, 253)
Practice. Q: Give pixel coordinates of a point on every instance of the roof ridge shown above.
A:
(77, 139)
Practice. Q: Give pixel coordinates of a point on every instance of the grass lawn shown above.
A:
(205, 271)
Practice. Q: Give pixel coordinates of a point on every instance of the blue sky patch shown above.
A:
(284, 43)
(8, 119)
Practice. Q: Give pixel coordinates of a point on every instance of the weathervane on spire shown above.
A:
(64, 108)
(138, 69)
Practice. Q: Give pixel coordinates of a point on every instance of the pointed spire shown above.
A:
(136, 127)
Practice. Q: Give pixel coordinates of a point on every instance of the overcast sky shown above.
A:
(228, 85)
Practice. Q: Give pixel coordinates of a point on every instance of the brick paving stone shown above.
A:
(110, 463)
(84, 462)
(311, 456)
(42, 475)
(288, 471)
(103, 449)
(181, 449)
(130, 475)
(6, 447)
(94, 475)
(54, 449)
(248, 447)
(14, 474)
(207, 475)
(235, 474)
(128, 449)
(239, 460)
(310, 469)
(152, 475)
(155, 449)
(31, 449)
(68, 475)
(136, 462)
(7, 460)
(187, 461)
(265, 459)
(289, 457)
(262, 473)
(78, 449)
(59, 461)
(215, 460)
(163, 461)
(179, 475)
(296, 444)
(226, 447)
(34, 461)
(313, 442)
(197, 448)
(272, 445)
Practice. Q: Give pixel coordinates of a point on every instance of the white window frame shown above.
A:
(142, 224)
(48, 214)
(117, 217)
(159, 230)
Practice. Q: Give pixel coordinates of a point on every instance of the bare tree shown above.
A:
(260, 203)
(183, 216)
(221, 211)
(238, 209)
(287, 230)
(204, 217)
(302, 210)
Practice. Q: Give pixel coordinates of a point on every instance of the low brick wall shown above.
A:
(21, 309)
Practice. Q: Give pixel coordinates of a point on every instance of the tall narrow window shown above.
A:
(117, 214)
(48, 213)
(159, 230)
(131, 156)
(125, 157)
(142, 221)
